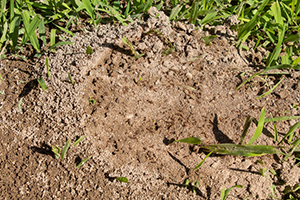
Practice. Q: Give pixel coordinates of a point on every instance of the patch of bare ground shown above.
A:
(141, 106)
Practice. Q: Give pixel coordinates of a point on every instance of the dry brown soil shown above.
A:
(142, 105)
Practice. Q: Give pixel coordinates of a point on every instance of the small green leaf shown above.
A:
(202, 161)
(190, 140)
(79, 140)
(268, 92)
(242, 150)
(290, 132)
(84, 161)
(89, 50)
(65, 149)
(70, 78)
(47, 65)
(42, 83)
(56, 151)
(259, 128)
(122, 179)
(225, 193)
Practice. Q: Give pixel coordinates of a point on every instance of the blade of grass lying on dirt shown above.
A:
(275, 130)
(242, 150)
(268, 92)
(70, 78)
(82, 162)
(295, 145)
(259, 128)
(190, 140)
(47, 66)
(245, 129)
(283, 118)
(122, 179)
(42, 83)
(79, 140)
(290, 132)
(199, 165)
(225, 193)
(285, 66)
(56, 151)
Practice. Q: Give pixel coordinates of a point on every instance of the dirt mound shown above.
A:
(140, 106)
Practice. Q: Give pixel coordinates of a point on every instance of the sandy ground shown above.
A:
(141, 106)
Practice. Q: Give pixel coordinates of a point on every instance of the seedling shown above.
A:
(47, 65)
(89, 50)
(122, 179)
(82, 162)
(57, 151)
(61, 153)
(225, 192)
(136, 55)
(42, 83)
(70, 78)
(79, 140)
(92, 101)
(19, 108)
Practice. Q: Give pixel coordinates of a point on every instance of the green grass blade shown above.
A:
(65, 149)
(79, 140)
(14, 30)
(208, 18)
(225, 193)
(56, 151)
(296, 61)
(47, 66)
(65, 30)
(70, 78)
(190, 140)
(290, 132)
(242, 150)
(275, 8)
(84, 161)
(245, 129)
(259, 128)
(275, 130)
(11, 9)
(42, 83)
(247, 28)
(265, 70)
(175, 11)
(283, 118)
(52, 37)
(89, 9)
(268, 92)
(202, 161)
(122, 179)
(30, 30)
(147, 5)
(42, 31)
(4, 34)
(60, 44)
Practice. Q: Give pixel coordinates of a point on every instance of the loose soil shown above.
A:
(142, 105)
